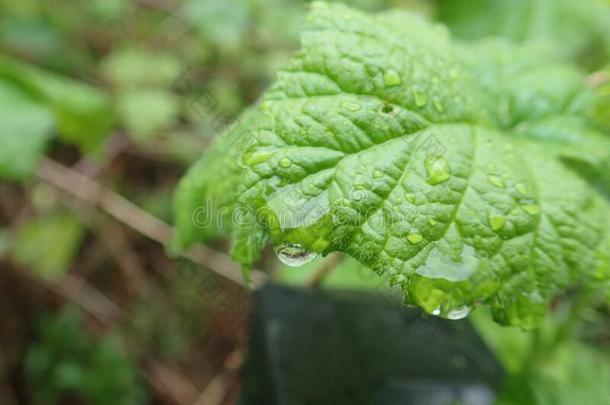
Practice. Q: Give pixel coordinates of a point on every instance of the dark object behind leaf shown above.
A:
(321, 348)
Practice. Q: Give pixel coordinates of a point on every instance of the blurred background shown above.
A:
(103, 106)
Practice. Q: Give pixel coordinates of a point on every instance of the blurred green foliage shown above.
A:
(48, 244)
(579, 28)
(20, 114)
(67, 362)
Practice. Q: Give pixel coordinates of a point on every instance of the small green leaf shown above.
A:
(47, 245)
(130, 67)
(83, 113)
(25, 127)
(222, 23)
(147, 112)
(574, 28)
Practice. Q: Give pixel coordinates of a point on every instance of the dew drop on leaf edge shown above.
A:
(293, 254)
(458, 313)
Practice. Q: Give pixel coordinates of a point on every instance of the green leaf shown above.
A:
(222, 23)
(377, 141)
(575, 28)
(83, 113)
(134, 66)
(48, 244)
(66, 360)
(25, 128)
(146, 112)
(575, 374)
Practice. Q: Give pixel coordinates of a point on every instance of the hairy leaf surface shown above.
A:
(383, 140)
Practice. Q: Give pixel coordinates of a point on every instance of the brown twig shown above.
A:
(216, 390)
(127, 260)
(171, 383)
(324, 269)
(123, 210)
(79, 292)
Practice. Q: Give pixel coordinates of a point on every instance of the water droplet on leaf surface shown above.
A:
(285, 163)
(391, 78)
(438, 170)
(421, 98)
(497, 222)
(521, 188)
(350, 105)
(532, 209)
(293, 255)
(439, 106)
(415, 238)
(496, 181)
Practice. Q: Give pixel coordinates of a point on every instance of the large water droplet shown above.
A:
(458, 313)
(293, 255)
(438, 170)
(391, 78)
(285, 163)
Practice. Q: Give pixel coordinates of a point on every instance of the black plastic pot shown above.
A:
(333, 348)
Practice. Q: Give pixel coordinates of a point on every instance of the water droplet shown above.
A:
(350, 105)
(532, 209)
(293, 255)
(266, 106)
(411, 198)
(521, 188)
(439, 106)
(497, 222)
(377, 174)
(415, 238)
(255, 157)
(496, 181)
(448, 266)
(285, 162)
(432, 221)
(421, 98)
(391, 78)
(458, 313)
(438, 170)
(436, 311)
